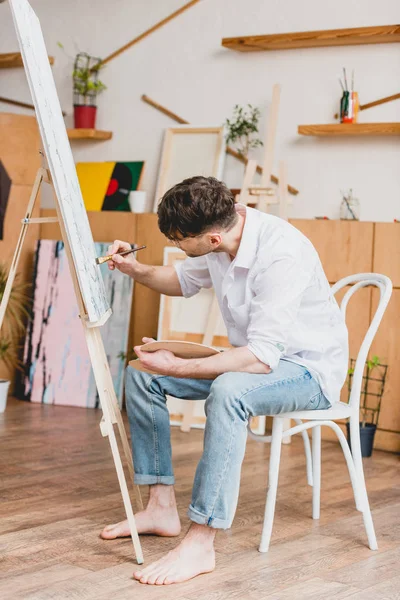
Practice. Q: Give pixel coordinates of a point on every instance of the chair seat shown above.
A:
(338, 410)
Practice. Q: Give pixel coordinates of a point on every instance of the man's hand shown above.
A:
(162, 362)
(125, 264)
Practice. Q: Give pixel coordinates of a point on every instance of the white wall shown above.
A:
(184, 67)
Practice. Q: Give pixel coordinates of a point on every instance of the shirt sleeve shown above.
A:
(193, 275)
(279, 289)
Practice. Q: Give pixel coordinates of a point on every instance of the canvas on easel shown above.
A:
(76, 234)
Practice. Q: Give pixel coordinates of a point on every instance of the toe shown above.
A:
(107, 534)
(161, 578)
(152, 578)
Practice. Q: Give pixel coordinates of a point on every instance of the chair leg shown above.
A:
(357, 459)
(274, 461)
(307, 451)
(316, 471)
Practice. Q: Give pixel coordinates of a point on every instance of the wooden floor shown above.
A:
(58, 489)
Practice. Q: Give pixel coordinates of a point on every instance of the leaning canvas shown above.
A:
(189, 151)
(57, 368)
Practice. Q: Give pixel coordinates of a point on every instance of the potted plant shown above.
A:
(12, 329)
(370, 401)
(87, 86)
(242, 129)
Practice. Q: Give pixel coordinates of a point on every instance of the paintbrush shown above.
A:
(345, 80)
(102, 259)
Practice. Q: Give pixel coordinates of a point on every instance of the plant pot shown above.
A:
(4, 385)
(85, 116)
(367, 435)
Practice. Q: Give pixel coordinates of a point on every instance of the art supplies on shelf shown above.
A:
(350, 207)
(349, 104)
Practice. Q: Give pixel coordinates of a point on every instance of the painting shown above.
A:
(107, 185)
(57, 367)
(189, 151)
(60, 160)
(5, 187)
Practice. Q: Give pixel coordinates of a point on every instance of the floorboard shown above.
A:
(59, 488)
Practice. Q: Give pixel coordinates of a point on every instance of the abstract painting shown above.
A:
(107, 185)
(5, 186)
(57, 368)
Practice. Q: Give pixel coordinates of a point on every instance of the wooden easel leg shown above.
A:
(125, 493)
(283, 200)
(116, 417)
(107, 395)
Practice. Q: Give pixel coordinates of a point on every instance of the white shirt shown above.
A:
(275, 299)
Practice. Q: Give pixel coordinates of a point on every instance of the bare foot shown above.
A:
(158, 521)
(194, 555)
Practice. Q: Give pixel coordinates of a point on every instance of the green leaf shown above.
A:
(242, 127)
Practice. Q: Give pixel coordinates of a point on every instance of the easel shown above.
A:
(104, 383)
(263, 195)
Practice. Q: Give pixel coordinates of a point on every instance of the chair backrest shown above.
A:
(357, 282)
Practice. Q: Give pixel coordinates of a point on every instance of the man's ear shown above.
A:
(215, 239)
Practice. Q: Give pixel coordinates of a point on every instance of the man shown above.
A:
(289, 353)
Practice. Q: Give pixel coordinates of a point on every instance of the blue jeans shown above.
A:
(230, 400)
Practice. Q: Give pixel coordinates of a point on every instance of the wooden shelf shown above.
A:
(89, 134)
(14, 59)
(382, 34)
(346, 129)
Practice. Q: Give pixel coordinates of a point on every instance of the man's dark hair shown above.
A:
(195, 206)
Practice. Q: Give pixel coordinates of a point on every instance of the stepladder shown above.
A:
(111, 414)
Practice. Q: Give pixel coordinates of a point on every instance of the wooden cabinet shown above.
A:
(19, 147)
(344, 247)
(19, 153)
(387, 251)
(386, 345)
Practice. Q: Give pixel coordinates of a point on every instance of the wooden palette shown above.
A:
(180, 349)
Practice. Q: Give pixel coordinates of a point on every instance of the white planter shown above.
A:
(4, 385)
(137, 201)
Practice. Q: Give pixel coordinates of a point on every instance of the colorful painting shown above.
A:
(57, 368)
(107, 185)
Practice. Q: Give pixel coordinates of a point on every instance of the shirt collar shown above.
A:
(249, 242)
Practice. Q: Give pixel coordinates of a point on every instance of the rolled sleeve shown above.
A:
(278, 292)
(266, 352)
(193, 275)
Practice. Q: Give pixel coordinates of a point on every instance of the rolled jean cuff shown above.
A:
(212, 522)
(140, 479)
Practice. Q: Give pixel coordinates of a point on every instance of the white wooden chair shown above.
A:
(317, 418)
